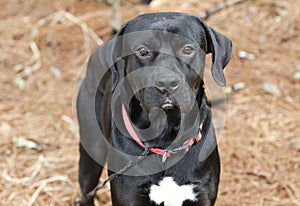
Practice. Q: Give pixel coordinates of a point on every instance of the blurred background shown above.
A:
(44, 46)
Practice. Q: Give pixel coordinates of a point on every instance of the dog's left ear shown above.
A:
(221, 48)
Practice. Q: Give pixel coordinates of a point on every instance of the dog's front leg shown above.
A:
(89, 173)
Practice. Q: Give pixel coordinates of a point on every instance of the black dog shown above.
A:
(143, 92)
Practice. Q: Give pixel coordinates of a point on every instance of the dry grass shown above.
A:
(43, 50)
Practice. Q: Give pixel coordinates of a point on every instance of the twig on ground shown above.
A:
(258, 173)
(292, 191)
(116, 22)
(42, 184)
(85, 29)
(219, 7)
(26, 68)
(35, 169)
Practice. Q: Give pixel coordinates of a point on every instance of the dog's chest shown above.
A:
(170, 193)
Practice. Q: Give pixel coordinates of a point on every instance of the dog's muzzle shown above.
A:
(167, 84)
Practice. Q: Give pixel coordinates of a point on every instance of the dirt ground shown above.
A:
(44, 46)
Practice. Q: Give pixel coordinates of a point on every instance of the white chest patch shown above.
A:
(170, 193)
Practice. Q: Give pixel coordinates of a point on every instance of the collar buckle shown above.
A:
(164, 157)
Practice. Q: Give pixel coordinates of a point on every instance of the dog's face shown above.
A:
(164, 58)
(164, 76)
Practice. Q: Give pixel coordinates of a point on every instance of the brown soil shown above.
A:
(42, 54)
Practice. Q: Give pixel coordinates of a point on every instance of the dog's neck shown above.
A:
(161, 128)
(157, 128)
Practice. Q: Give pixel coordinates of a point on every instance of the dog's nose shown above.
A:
(167, 83)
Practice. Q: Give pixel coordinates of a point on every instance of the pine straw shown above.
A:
(47, 47)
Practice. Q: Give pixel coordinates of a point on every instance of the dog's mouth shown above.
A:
(169, 104)
(150, 97)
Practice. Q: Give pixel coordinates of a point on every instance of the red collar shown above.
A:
(164, 152)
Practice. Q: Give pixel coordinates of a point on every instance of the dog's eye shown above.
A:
(188, 50)
(143, 52)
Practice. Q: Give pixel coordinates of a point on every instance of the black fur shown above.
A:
(200, 166)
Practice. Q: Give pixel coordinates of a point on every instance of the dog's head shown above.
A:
(163, 57)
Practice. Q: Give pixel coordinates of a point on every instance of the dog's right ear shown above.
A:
(117, 68)
(111, 55)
